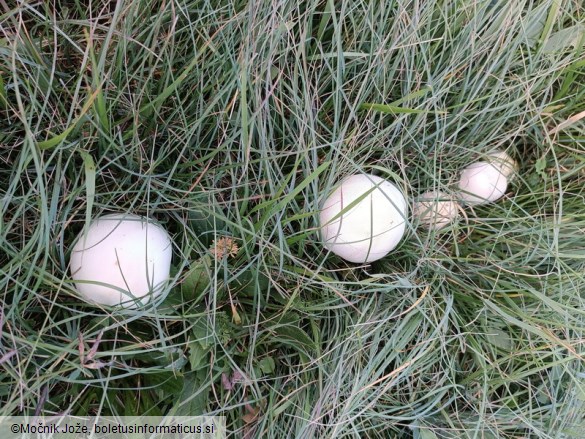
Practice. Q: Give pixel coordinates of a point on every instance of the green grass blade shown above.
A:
(90, 169)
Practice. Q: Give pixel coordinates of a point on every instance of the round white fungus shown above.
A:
(120, 258)
(481, 183)
(435, 209)
(363, 219)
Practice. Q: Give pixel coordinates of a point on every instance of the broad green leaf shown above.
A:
(203, 333)
(534, 24)
(130, 404)
(291, 335)
(196, 282)
(287, 331)
(170, 382)
(248, 282)
(147, 408)
(565, 38)
(499, 338)
(194, 395)
(204, 221)
(198, 355)
(425, 433)
(422, 432)
(267, 365)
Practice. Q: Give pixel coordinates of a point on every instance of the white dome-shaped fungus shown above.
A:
(363, 219)
(120, 258)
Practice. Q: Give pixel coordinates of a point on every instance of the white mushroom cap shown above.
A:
(481, 183)
(371, 227)
(119, 258)
(435, 209)
(506, 164)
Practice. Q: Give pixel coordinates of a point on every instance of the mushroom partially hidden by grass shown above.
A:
(363, 219)
(121, 258)
(435, 210)
(484, 182)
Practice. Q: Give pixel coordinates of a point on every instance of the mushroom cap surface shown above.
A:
(481, 183)
(507, 165)
(121, 257)
(363, 219)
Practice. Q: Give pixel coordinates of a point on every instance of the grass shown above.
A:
(229, 122)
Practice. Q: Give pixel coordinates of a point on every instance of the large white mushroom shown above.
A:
(120, 258)
(363, 219)
(484, 182)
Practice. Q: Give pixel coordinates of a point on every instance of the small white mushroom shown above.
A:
(363, 219)
(435, 210)
(481, 183)
(484, 182)
(120, 258)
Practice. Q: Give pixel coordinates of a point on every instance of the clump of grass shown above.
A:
(229, 122)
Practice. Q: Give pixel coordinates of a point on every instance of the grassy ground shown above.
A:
(229, 122)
